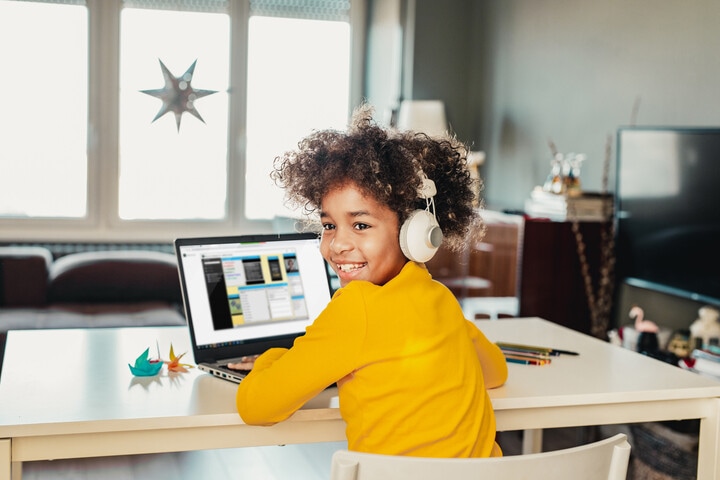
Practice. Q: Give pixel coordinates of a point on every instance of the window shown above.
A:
(44, 87)
(98, 145)
(315, 54)
(173, 167)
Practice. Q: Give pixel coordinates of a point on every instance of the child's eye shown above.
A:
(328, 226)
(361, 226)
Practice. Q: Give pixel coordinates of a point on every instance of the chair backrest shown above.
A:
(604, 460)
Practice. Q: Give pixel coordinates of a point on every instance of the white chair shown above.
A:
(493, 307)
(604, 460)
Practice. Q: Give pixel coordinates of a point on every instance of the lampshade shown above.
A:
(425, 116)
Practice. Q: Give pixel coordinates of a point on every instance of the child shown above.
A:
(411, 371)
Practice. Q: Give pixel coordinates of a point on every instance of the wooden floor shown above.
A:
(296, 462)
(290, 462)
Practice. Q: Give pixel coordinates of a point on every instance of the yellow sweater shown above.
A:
(412, 372)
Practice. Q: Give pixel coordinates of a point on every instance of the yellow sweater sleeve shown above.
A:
(492, 360)
(283, 380)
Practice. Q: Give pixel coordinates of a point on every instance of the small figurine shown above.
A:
(642, 325)
(554, 182)
(572, 179)
(679, 344)
(149, 367)
(706, 327)
(145, 367)
(174, 365)
(564, 176)
(647, 331)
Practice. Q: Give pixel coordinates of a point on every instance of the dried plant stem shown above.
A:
(600, 304)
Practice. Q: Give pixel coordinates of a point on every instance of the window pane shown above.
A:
(298, 81)
(169, 171)
(44, 80)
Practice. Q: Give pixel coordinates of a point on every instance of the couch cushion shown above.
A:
(115, 277)
(24, 276)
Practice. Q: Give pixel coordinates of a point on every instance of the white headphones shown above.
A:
(420, 234)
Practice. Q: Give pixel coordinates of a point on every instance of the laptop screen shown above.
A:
(243, 293)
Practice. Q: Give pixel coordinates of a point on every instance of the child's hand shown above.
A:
(245, 363)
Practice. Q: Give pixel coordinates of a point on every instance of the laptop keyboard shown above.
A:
(235, 370)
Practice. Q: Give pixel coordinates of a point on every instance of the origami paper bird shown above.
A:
(144, 367)
(174, 364)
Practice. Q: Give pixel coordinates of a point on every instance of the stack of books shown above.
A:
(585, 207)
(706, 361)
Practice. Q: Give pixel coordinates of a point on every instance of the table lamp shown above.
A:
(425, 116)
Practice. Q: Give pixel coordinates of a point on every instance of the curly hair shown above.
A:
(385, 164)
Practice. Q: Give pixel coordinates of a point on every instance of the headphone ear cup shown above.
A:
(420, 236)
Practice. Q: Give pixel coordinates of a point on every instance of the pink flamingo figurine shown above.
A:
(642, 325)
(647, 331)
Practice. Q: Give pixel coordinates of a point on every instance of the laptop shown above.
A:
(245, 294)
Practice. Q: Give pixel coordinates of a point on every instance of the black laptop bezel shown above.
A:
(246, 347)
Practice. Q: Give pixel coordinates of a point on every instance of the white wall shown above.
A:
(572, 71)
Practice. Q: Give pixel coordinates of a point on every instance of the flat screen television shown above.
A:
(668, 210)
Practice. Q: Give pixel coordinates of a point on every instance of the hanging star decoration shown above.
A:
(178, 95)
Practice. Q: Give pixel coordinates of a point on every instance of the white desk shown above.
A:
(69, 393)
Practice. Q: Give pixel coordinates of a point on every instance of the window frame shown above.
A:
(102, 222)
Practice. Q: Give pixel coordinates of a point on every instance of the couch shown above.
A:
(87, 289)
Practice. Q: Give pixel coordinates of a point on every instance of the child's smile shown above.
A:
(349, 267)
(360, 237)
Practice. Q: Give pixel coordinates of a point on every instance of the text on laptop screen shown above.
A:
(241, 291)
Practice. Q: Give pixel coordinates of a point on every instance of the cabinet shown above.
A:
(488, 269)
(535, 260)
(551, 280)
